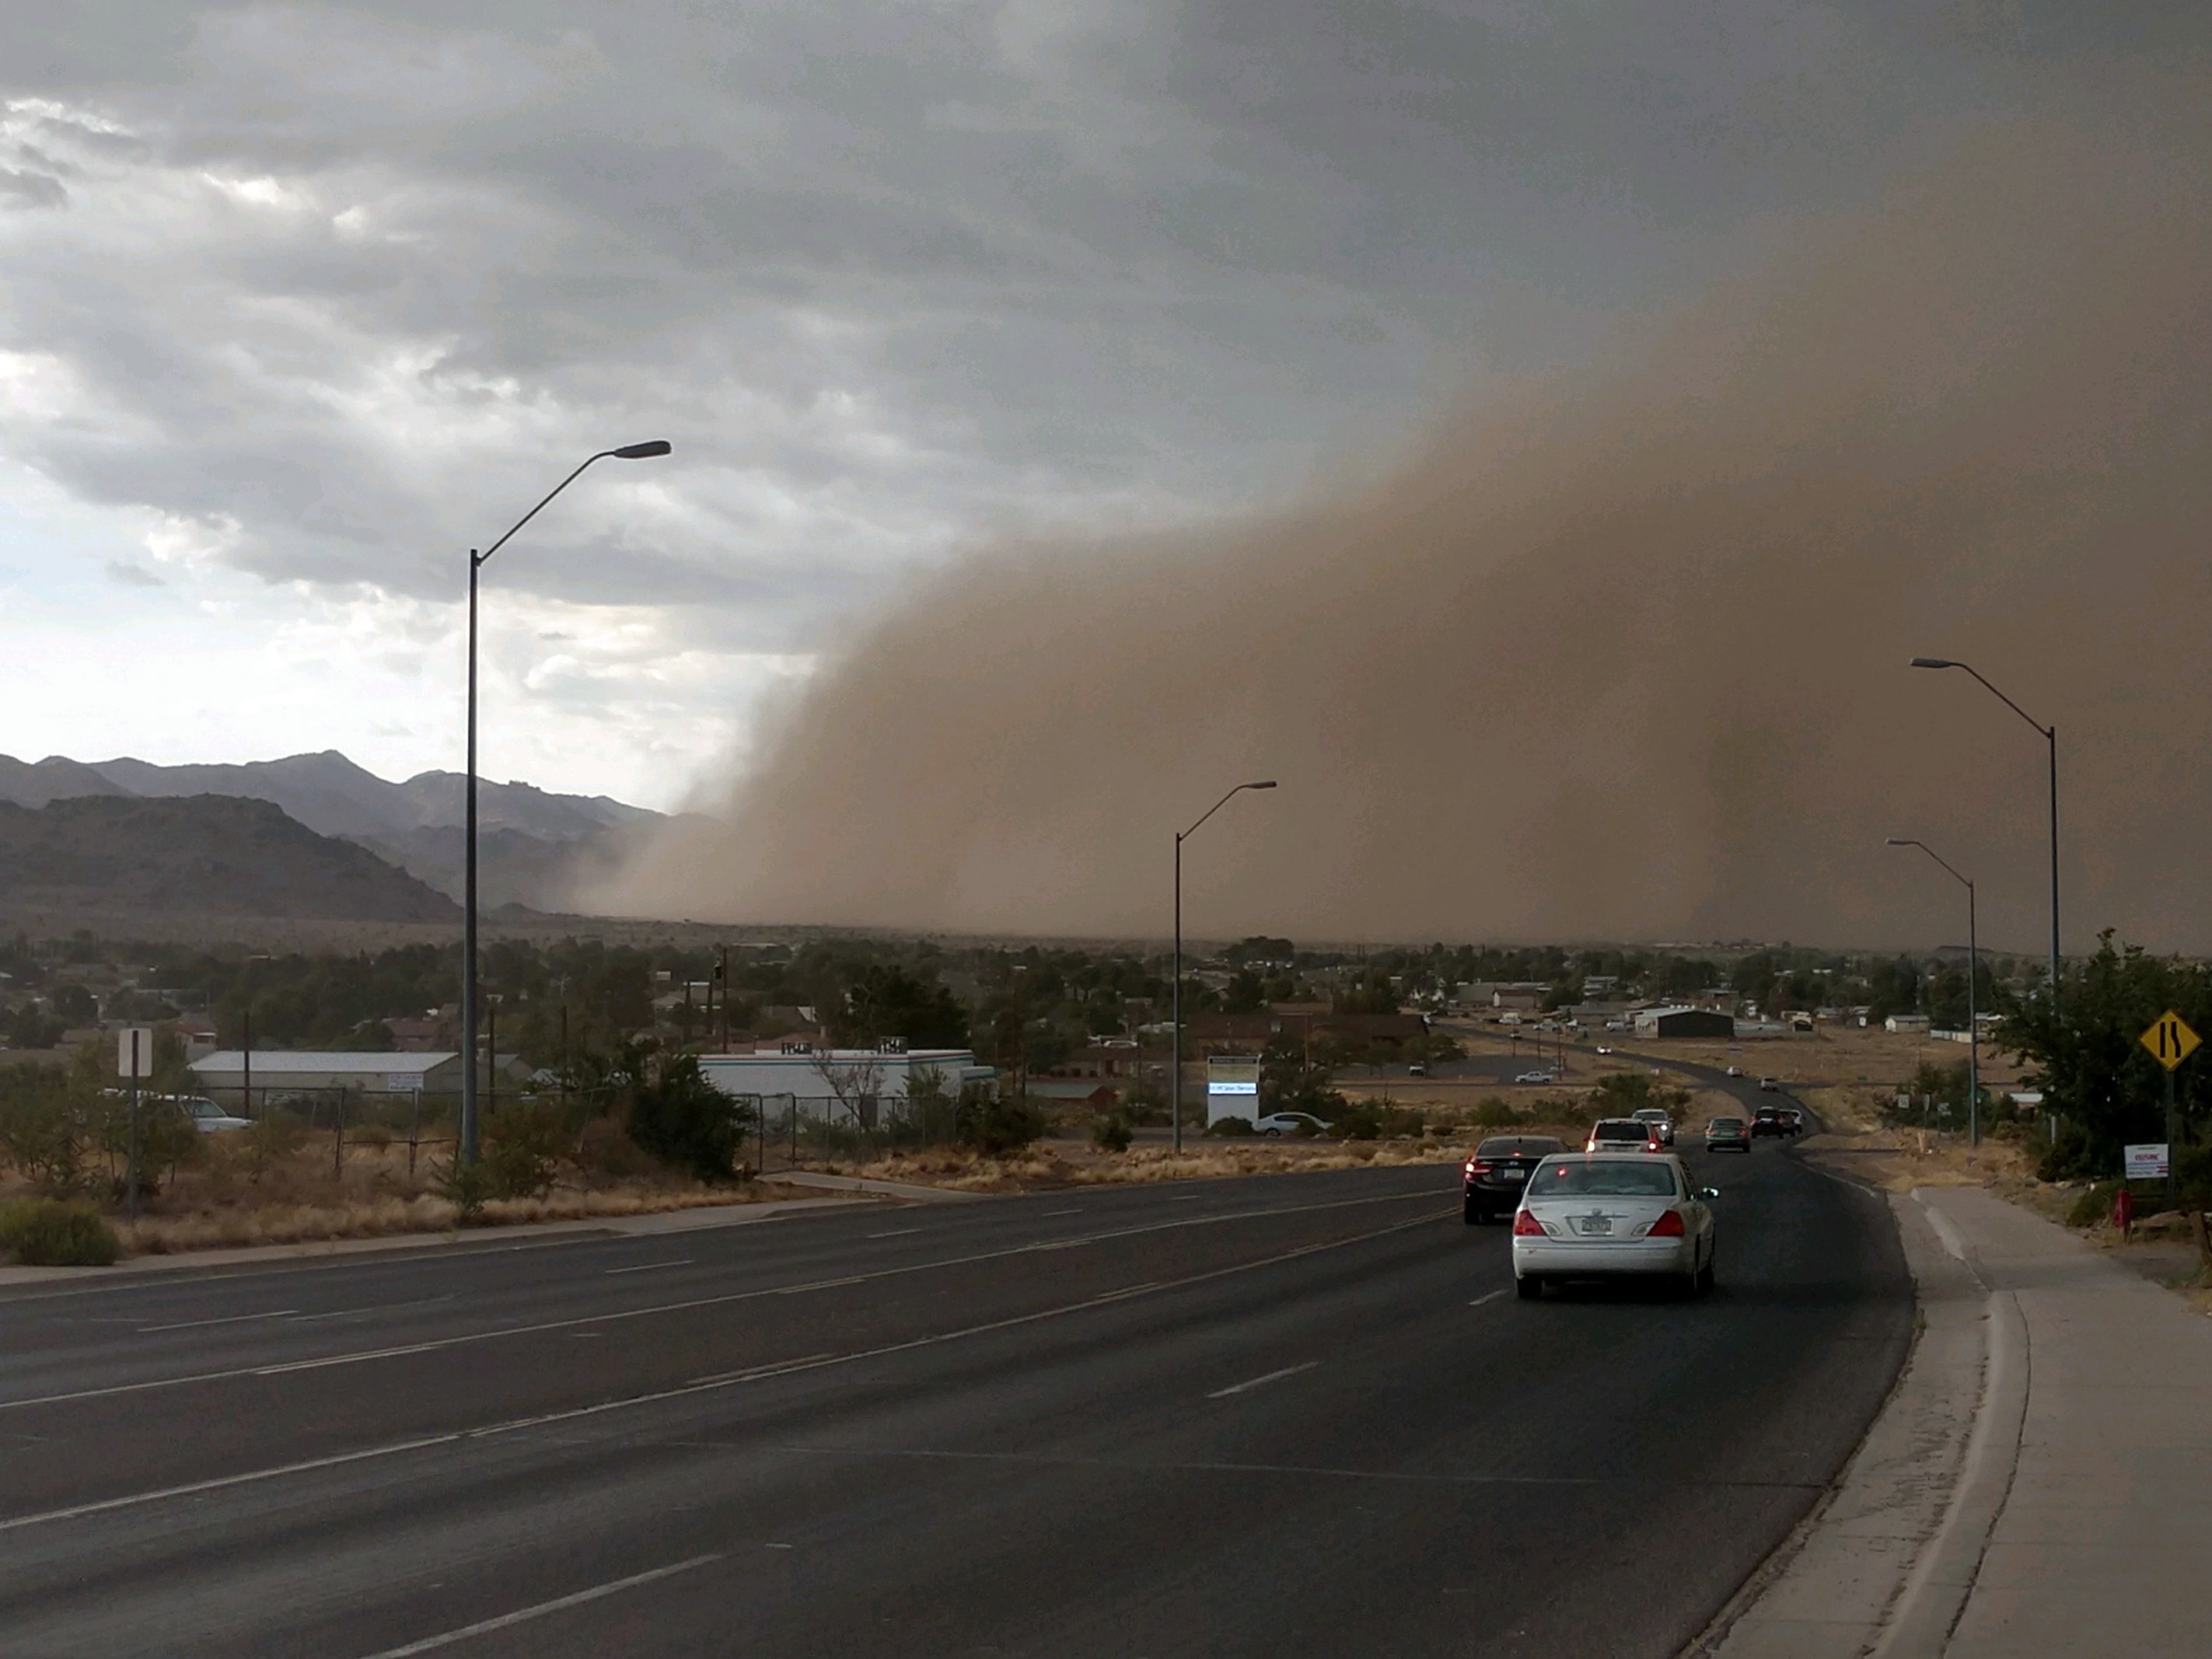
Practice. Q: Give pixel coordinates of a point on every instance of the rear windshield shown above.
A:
(1525, 1145)
(1604, 1179)
(1628, 1131)
(1651, 1115)
(1724, 1123)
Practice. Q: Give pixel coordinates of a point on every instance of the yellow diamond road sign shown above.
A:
(2169, 1041)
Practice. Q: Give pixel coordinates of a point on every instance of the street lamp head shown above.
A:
(641, 451)
(1899, 840)
(1935, 662)
(1269, 784)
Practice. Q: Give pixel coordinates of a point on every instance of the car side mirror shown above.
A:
(1708, 1192)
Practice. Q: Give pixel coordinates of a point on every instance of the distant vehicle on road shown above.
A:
(1536, 1076)
(1657, 1118)
(1604, 1048)
(1605, 1214)
(1767, 1120)
(1735, 1071)
(1726, 1134)
(1769, 1084)
(1290, 1123)
(1497, 1170)
(1416, 1070)
(1793, 1120)
(1622, 1135)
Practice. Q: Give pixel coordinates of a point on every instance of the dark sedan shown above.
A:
(1726, 1134)
(1767, 1120)
(1497, 1171)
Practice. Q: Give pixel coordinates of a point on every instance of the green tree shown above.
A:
(2088, 1061)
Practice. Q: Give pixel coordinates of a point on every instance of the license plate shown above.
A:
(1513, 1175)
(1594, 1224)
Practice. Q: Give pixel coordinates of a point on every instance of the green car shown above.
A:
(1728, 1134)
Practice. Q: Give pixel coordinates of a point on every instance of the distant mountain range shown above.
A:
(534, 848)
(204, 854)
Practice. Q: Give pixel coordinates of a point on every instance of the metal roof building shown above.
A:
(292, 1068)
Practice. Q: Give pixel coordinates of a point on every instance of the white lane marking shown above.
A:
(759, 1373)
(689, 1305)
(1480, 1300)
(648, 1267)
(381, 1307)
(559, 1604)
(202, 1324)
(1262, 1381)
(1077, 1209)
(900, 1232)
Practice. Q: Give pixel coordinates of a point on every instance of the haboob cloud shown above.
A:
(1621, 656)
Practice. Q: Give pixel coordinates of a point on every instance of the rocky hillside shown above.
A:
(536, 848)
(204, 854)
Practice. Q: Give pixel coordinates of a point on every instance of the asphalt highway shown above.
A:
(1300, 1414)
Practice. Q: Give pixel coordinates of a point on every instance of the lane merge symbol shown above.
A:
(2170, 1039)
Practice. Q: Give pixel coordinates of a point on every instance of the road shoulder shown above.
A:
(1853, 1571)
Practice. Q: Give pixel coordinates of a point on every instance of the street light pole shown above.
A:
(1973, 974)
(1174, 1082)
(465, 1154)
(2050, 735)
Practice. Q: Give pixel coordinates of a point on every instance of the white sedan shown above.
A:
(1290, 1123)
(1596, 1215)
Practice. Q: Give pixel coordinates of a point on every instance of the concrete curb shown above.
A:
(908, 1189)
(1936, 1595)
(693, 1219)
(1873, 1569)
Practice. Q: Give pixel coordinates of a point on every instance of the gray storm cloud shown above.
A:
(1617, 654)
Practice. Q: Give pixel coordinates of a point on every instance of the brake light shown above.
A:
(1653, 1146)
(1472, 1167)
(1669, 1226)
(1526, 1225)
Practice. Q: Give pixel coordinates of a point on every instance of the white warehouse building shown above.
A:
(794, 1072)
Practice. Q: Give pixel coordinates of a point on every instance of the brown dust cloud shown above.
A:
(1621, 654)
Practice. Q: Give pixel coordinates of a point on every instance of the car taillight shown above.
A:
(1472, 1167)
(1669, 1226)
(1653, 1146)
(1526, 1225)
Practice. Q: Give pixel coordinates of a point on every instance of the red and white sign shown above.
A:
(2147, 1162)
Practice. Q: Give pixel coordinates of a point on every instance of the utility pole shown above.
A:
(1176, 1082)
(466, 1152)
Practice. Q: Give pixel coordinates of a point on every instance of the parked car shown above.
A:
(1728, 1134)
(1766, 1121)
(1536, 1076)
(1497, 1170)
(1416, 1070)
(1657, 1118)
(1599, 1215)
(1769, 1084)
(1289, 1123)
(206, 1116)
(1622, 1135)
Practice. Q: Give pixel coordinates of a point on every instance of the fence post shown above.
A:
(414, 1132)
(337, 1140)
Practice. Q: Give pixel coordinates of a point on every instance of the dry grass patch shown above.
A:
(393, 1215)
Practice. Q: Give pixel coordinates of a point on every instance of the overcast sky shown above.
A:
(301, 300)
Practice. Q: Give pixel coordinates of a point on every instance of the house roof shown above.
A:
(272, 1061)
